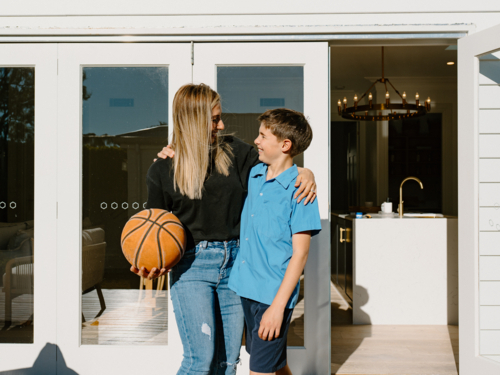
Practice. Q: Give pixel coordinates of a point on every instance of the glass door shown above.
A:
(28, 91)
(114, 116)
(252, 78)
(479, 200)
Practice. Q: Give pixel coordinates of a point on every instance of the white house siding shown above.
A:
(489, 202)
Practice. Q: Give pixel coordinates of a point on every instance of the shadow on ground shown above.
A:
(45, 363)
(343, 342)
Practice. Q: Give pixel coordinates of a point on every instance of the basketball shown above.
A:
(153, 238)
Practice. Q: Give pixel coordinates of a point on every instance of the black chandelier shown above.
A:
(374, 112)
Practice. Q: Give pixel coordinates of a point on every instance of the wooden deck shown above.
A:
(20, 331)
(135, 319)
(132, 317)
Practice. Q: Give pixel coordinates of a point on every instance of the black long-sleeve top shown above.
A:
(215, 217)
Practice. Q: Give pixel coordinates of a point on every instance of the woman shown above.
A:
(205, 185)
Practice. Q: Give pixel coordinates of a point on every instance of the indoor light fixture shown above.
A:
(374, 112)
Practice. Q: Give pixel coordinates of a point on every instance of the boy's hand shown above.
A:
(166, 152)
(155, 272)
(270, 323)
(306, 186)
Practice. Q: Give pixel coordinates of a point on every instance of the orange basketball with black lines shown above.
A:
(153, 238)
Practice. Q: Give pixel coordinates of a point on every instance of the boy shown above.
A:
(274, 240)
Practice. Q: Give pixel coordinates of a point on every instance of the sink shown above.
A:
(423, 215)
(393, 215)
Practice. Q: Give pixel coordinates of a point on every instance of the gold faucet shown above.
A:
(400, 206)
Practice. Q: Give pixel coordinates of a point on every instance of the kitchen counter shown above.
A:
(411, 215)
(404, 270)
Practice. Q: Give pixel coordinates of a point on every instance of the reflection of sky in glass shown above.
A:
(255, 89)
(125, 99)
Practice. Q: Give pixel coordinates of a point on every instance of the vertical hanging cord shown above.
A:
(383, 76)
(382, 62)
(192, 60)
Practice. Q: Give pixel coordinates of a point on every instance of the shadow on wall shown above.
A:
(45, 363)
(361, 296)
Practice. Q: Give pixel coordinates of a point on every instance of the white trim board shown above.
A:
(425, 38)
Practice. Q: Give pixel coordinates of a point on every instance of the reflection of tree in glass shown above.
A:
(17, 116)
(85, 93)
(17, 105)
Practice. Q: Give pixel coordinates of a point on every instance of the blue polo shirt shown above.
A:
(271, 215)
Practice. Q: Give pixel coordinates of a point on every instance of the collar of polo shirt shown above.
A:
(284, 178)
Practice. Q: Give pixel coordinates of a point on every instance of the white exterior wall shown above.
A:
(489, 217)
(215, 7)
(96, 17)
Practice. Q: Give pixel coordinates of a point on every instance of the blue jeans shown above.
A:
(209, 315)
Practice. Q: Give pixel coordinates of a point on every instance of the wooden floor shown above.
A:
(20, 330)
(132, 317)
(391, 349)
(141, 319)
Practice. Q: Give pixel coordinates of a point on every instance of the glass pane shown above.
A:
(247, 92)
(17, 165)
(125, 114)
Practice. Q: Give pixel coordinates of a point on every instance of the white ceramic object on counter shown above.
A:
(386, 207)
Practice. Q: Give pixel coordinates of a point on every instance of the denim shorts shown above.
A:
(265, 356)
(209, 315)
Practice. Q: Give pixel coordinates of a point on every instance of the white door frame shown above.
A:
(469, 48)
(43, 58)
(314, 357)
(96, 359)
(66, 140)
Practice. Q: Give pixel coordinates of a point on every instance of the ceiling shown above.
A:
(350, 65)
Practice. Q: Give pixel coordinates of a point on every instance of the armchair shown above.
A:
(93, 257)
(17, 280)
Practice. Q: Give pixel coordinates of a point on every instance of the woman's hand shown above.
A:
(155, 272)
(270, 324)
(166, 152)
(306, 186)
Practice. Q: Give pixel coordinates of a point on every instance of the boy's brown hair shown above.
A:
(288, 124)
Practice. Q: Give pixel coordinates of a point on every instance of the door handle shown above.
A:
(348, 235)
(342, 230)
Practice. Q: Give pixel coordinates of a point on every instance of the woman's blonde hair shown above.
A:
(194, 153)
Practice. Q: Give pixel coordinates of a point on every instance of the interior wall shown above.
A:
(443, 94)
(420, 69)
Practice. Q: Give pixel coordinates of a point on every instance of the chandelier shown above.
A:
(383, 111)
